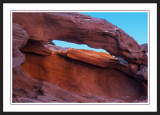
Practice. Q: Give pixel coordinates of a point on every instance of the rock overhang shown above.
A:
(77, 28)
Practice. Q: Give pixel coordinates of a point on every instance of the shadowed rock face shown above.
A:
(37, 47)
(20, 38)
(49, 72)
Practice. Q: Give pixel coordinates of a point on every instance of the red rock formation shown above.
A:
(25, 87)
(50, 72)
(101, 59)
(145, 46)
(84, 77)
(29, 90)
(37, 47)
(81, 29)
(20, 38)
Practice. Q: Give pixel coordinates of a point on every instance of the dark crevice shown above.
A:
(139, 67)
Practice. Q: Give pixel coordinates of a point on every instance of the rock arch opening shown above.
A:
(76, 46)
(84, 74)
(67, 45)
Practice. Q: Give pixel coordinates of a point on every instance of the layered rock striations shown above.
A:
(44, 72)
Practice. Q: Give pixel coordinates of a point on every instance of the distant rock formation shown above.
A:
(44, 72)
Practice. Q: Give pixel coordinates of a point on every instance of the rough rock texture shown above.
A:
(37, 47)
(143, 68)
(82, 77)
(101, 59)
(20, 38)
(145, 46)
(29, 90)
(48, 73)
(81, 29)
(26, 89)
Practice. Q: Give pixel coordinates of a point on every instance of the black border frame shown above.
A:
(82, 1)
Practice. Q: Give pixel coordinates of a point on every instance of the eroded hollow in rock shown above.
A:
(83, 72)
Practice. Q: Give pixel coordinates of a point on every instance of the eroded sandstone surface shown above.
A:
(44, 72)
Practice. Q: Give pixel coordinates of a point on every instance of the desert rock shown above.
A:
(44, 72)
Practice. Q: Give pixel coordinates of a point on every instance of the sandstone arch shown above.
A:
(40, 28)
(81, 29)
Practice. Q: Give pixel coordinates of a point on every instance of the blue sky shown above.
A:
(133, 23)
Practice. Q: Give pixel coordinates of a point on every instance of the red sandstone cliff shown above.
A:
(47, 73)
